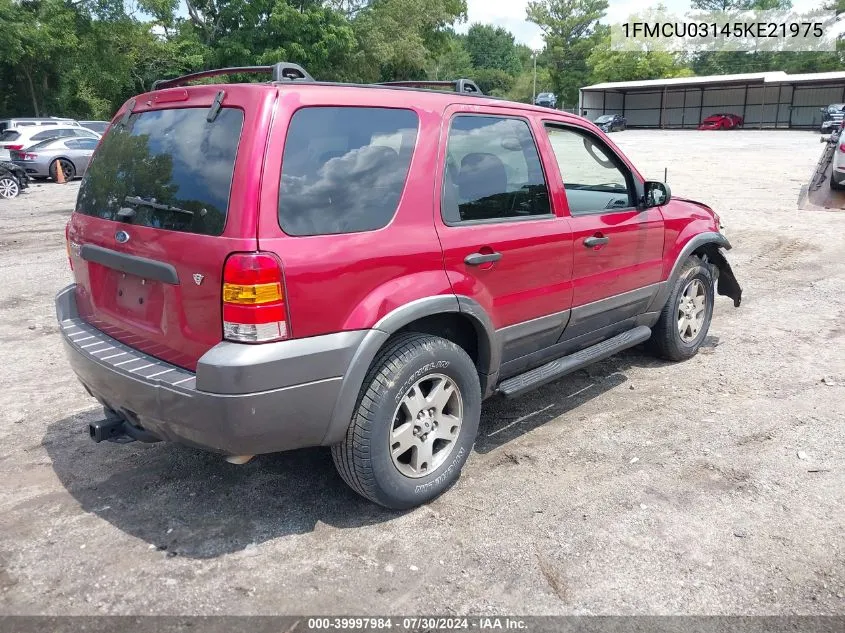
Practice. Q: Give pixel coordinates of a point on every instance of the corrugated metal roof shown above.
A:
(777, 77)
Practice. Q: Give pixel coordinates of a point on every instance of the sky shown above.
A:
(509, 14)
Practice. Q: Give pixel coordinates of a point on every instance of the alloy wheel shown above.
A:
(426, 425)
(692, 309)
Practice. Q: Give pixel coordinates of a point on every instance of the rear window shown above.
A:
(344, 169)
(9, 135)
(172, 167)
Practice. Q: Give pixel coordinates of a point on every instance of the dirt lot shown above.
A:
(712, 486)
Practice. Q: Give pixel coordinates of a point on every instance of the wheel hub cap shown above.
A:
(692, 308)
(426, 425)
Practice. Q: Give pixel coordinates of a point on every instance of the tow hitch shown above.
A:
(115, 428)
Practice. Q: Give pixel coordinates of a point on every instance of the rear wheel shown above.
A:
(836, 186)
(9, 187)
(68, 169)
(685, 319)
(415, 424)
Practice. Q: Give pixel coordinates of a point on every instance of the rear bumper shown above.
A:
(243, 399)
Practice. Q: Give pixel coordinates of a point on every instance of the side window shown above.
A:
(493, 171)
(40, 136)
(86, 143)
(72, 144)
(344, 169)
(594, 178)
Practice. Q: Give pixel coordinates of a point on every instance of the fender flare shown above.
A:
(488, 353)
(696, 242)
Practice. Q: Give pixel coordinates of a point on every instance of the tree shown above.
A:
(492, 48)
(397, 39)
(570, 30)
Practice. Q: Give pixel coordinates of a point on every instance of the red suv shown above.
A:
(267, 266)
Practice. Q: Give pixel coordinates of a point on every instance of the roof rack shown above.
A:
(283, 71)
(466, 86)
(286, 71)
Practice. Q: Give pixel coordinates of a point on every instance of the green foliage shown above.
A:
(572, 31)
(492, 48)
(83, 58)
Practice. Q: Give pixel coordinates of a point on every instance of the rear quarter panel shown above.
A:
(350, 281)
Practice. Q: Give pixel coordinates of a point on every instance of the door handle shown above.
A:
(593, 242)
(477, 259)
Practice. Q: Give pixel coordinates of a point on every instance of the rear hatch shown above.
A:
(171, 191)
(7, 143)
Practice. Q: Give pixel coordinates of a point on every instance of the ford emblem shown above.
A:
(122, 237)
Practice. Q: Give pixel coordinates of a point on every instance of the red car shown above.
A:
(721, 122)
(264, 267)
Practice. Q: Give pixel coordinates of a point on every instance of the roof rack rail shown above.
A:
(283, 71)
(466, 86)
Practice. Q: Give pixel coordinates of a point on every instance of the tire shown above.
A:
(836, 186)
(68, 169)
(9, 187)
(667, 341)
(403, 371)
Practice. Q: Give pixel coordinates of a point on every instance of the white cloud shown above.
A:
(509, 14)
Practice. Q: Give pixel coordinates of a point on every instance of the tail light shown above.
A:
(254, 308)
(842, 147)
(67, 244)
(14, 147)
(27, 156)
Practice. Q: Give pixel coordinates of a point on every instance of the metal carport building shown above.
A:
(764, 100)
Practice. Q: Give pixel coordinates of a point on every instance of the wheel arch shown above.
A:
(708, 243)
(58, 158)
(457, 318)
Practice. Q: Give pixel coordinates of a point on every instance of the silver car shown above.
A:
(24, 137)
(40, 160)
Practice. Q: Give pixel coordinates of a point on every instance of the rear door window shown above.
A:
(172, 167)
(40, 136)
(344, 169)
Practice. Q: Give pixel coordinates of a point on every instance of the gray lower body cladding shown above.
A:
(266, 398)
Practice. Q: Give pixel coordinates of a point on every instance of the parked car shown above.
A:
(546, 100)
(721, 122)
(99, 127)
(256, 274)
(13, 180)
(40, 160)
(23, 137)
(37, 121)
(611, 122)
(832, 117)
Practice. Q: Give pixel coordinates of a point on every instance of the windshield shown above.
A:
(605, 119)
(836, 108)
(168, 169)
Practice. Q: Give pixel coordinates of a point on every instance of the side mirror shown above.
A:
(822, 109)
(655, 194)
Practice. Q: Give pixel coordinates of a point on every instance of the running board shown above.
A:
(518, 385)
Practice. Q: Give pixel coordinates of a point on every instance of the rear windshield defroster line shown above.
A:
(172, 168)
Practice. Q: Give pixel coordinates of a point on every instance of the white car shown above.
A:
(23, 137)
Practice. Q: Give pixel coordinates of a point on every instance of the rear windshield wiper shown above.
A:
(152, 204)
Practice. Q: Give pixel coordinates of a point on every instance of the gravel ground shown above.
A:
(715, 486)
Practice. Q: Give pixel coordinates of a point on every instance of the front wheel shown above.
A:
(415, 424)
(685, 319)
